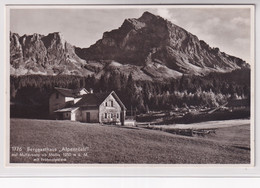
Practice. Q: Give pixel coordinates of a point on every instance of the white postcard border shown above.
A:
(119, 170)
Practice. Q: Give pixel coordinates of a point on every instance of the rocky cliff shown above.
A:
(151, 42)
(38, 54)
(149, 47)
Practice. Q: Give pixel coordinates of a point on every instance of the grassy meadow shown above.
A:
(131, 145)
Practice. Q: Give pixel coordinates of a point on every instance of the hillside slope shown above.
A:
(112, 144)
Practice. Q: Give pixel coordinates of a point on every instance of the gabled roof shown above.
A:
(69, 92)
(92, 99)
(118, 100)
(95, 99)
(66, 109)
(79, 89)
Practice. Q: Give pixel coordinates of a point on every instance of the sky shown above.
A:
(228, 28)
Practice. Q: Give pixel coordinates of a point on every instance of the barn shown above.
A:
(84, 106)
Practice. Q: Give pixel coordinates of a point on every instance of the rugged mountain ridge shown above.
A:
(39, 54)
(149, 47)
(151, 40)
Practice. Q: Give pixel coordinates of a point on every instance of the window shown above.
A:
(105, 103)
(112, 103)
(117, 115)
(57, 95)
(106, 115)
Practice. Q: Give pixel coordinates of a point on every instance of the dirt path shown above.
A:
(208, 124)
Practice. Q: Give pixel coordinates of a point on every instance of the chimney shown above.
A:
(91, 90)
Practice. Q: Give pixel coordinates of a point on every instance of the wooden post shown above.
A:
(122, 116)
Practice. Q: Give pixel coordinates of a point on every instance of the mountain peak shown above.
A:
(39, 54)
(151, 39)
(55, 37)
(148, 17)
(147, 14)
(150, 44)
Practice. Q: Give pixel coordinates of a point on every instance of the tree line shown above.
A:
(211, 90)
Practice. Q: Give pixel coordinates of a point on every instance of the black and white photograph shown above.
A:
(131, 84)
